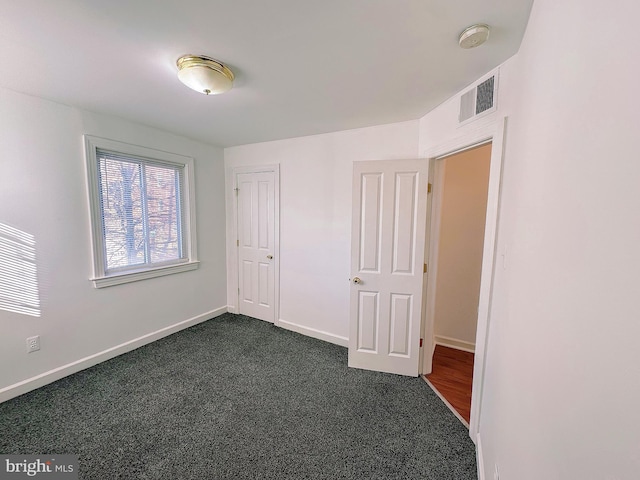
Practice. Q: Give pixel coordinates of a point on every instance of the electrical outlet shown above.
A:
(496, 474)
(33, 344)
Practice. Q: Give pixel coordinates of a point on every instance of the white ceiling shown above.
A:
(302, 66)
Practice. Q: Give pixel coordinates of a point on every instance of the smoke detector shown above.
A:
(474, 36)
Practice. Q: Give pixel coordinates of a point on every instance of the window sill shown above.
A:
(111, 280)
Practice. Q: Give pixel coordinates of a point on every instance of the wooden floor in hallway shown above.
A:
(452, 376)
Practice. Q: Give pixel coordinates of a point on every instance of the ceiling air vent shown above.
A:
(479, 100)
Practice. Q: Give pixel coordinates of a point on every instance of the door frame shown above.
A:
(275, 169)
(494, 133)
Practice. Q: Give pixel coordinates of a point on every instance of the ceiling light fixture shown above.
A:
(474, 36)
(204, 74)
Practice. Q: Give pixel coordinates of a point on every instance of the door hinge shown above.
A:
(237, 243)
(420, 343)
(429, 186)
(236, 190)
(425, 268)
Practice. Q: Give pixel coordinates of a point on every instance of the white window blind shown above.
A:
(141, 211)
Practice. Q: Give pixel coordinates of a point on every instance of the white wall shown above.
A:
(43, 193)
(461, 238)
(315, 218)
(562, 366)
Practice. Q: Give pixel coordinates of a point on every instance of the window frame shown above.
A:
(101, 278)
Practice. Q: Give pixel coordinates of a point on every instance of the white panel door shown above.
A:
(387, 257)
(256, 250)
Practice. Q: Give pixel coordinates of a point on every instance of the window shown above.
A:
(141, 212)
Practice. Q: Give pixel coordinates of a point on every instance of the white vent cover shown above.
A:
(467, 105)
(479, 100)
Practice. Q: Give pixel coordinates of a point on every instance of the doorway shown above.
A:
(458, 232)
(493, 132)
(459, 228)
(256, 192)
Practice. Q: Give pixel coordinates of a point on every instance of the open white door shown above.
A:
(256, 244)
(387, 258)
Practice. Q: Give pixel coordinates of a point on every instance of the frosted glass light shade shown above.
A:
(204, 74)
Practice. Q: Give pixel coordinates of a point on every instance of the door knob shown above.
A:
(357, 280)
(270, 257)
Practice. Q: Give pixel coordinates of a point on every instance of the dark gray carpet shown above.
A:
(238, 398)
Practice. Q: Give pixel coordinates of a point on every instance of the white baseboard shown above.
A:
(455, 343)
(479, 457)
(232, 309)
(312, 332)
(57, 373)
